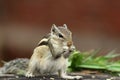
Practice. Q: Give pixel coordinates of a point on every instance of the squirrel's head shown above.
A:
(63, 35)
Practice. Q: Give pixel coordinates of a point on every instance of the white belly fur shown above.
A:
(50, 65)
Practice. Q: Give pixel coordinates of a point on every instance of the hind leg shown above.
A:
(63, 74)
(31, 68)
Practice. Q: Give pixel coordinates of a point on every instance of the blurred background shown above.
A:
(94, 24)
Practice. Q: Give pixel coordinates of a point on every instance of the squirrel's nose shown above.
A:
(69, 43)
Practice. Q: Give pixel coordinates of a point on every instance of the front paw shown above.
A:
(28, 74)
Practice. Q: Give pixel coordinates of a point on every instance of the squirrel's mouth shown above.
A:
(65, 54)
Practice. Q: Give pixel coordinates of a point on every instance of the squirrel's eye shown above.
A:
(60, 35)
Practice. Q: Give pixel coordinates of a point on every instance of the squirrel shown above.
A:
(51, 54)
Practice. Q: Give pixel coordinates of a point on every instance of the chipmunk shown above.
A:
(51, 54)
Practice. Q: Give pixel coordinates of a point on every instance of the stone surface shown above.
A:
(55, 77)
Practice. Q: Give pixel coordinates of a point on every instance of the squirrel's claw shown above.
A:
(28, 74)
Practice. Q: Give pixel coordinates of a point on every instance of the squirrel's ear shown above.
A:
(64, 25)
(54, 28)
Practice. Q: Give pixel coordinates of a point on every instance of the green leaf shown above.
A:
(93, 54)
(112, 54)
(89, 60)
(114, 67)
(91, 66)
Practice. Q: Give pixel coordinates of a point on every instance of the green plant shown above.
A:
(90, 60)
